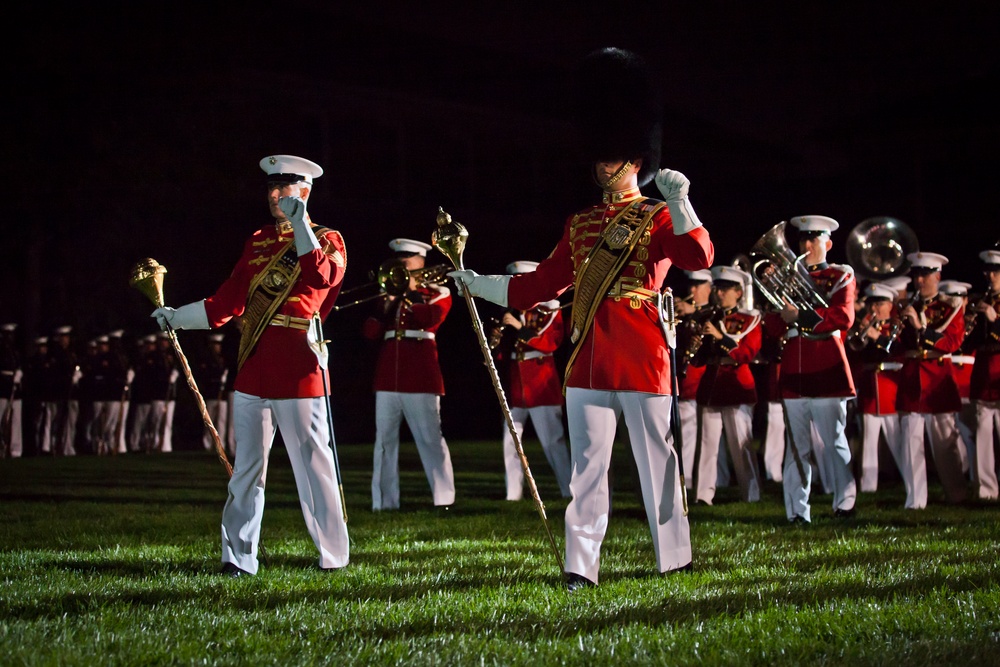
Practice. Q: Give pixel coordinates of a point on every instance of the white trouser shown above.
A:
(774, 440)
(737, 422)
(987, 426)
(871, 427)
(821, 462)
(593, 419)
(423, 415)
(688, 411)
(16, 445)
(547, 420)
(64, 415)
(965, 422)
(943, 436)
(306, 434)
(120, 428)
(43, 426)
(218, 411)
(142, 427)
(104, 426)
(153, 435)
(829, 415)
(167, 441)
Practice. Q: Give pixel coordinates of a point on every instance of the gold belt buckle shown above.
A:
(400, 334)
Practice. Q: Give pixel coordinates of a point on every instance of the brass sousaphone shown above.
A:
(877, 247)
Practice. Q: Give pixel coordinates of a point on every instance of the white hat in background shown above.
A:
(954, 288)
(731, 274)
(880, 290)
(990, 256)
(926, 261)
(814, 225)
(290, 169)
(898, 283)
(699, 276)
(409, 245)
(521, 267)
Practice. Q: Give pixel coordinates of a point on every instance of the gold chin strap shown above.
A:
(283, 226)
(617, 176)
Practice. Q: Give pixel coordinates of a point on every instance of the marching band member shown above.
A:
(408, 383)
(616, 254)
(64, 397)
(815, 377)
(873, 342)
(962, 361)
(213, 377)
(984, 386)
(691, 311)
(772, 345)
(726, 393)
(928, 397)
(533, 387)
(289, 274)
(11, 403)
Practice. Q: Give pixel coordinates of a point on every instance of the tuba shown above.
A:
(780, 275)
(877, 247)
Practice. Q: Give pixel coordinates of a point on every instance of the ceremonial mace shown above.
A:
(147, 277)
(450, 238)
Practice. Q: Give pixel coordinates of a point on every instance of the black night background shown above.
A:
(134, 130)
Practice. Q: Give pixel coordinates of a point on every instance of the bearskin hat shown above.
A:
(617, 110)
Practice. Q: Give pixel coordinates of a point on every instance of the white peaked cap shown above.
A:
(117, 333)
(881, 290)
(926, 260)
(898, 283)
(409, 245)
(521, 267)
(287, 167)
(103, 339)
(64, 331)
(702, 275)
(730, 273)
(954, 287)
(814, 223)
(990, 256)
(9, 326)
(41, 340)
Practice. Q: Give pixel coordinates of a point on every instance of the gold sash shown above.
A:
(603, 265)
(268, 291)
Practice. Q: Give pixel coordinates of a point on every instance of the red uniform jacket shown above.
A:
(282, 365)
(625, 349)
(984, 385)
(728, 379)
(813, 363)
(533, 379)
(408, 358)
(927, 383)
(876, 373)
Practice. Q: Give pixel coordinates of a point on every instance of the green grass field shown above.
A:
(115, 561)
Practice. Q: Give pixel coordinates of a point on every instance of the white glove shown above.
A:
(491, 288)
(129, 376)
(18, 374)
(294, 209)
(191, 316)
(174, 374)
(674, 186)
(318, 346)
(77, 375)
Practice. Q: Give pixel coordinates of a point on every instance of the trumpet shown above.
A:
(393, 278)
(857, 337)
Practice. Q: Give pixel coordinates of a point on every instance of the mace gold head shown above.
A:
(147, 277)
(450, 238)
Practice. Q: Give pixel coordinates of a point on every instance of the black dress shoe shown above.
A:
(798, 521)
(575, 582)
(230, 570)
(843, 514)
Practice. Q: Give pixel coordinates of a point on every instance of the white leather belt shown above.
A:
(962, 359)
(409, 333)
(533, 354)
